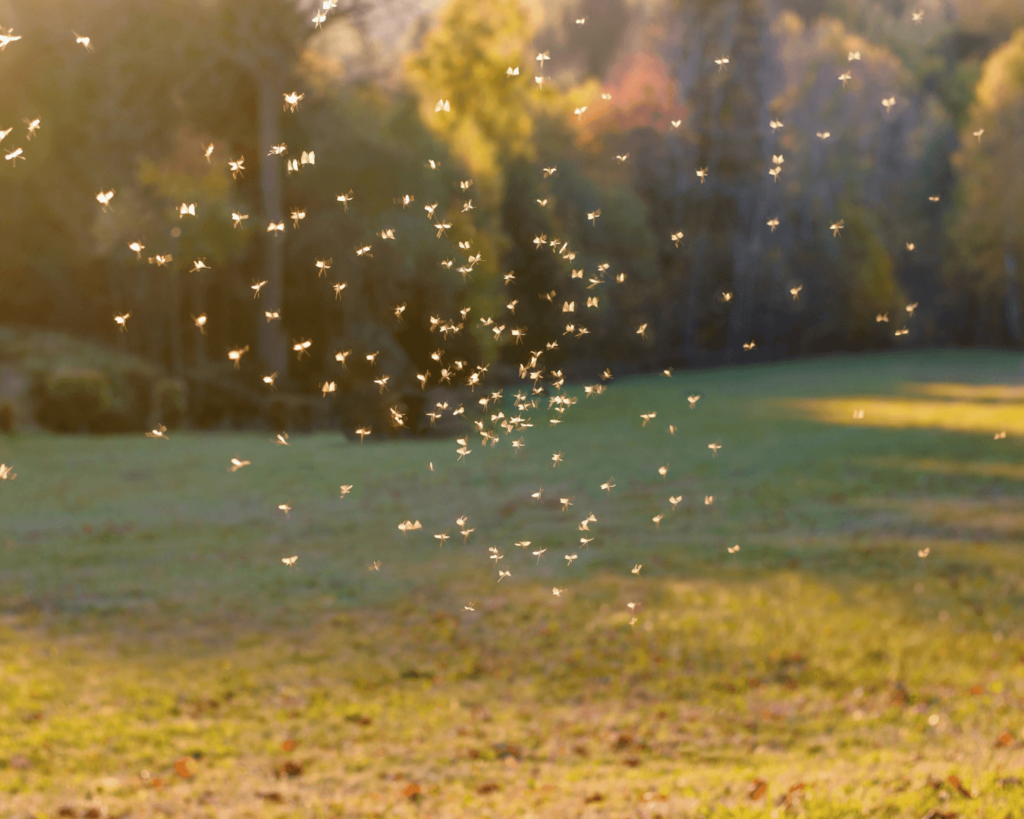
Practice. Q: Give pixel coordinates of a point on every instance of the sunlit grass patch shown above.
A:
(970, 392)
(973, 416)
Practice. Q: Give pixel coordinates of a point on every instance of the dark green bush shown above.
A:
(170, 397)
(214, 401)
(72, 400)
(6, 419)
(294, 413)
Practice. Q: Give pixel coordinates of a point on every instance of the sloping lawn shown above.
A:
(861, 653)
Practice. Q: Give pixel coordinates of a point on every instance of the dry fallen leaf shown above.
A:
(186, 767)
(288, 768)
(1005, 740)
(956, 783)
(412, 791)
(759, 789)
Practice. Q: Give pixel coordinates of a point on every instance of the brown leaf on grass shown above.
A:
(900, 695)
(977, 689)
(935, 813)
(1010, 781)
(288, 768)
(412, 791)
(270, 796)
(580, 750)
(632, 761)
(488, 787)
(186, 767)
(359, 719)
(758, 789)
(506, 749)
(92, 813)
(594, 797)
(623, 741)
(792, 797)
(66, 810)
(289, 745)
(956, 783)
(1005, 740)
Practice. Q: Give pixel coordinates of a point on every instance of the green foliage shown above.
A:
(990, 195)
(73, 399)
(464, 59)
(133, 116)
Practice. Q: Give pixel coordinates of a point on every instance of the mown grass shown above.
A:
(148, 616)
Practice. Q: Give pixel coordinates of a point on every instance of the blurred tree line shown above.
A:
(631, 105)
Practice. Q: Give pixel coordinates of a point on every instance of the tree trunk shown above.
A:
(271, 342)
(174, 323)
(1013, 308)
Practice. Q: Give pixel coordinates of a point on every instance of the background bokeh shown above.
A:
(164, 80)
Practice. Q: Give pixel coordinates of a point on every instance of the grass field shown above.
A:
(158, 659)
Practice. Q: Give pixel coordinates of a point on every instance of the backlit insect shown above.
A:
(159, 432)
(235, 356)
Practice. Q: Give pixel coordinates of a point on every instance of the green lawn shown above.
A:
(147, 615)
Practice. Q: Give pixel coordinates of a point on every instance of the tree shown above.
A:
(990, 194)
(263, 39)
